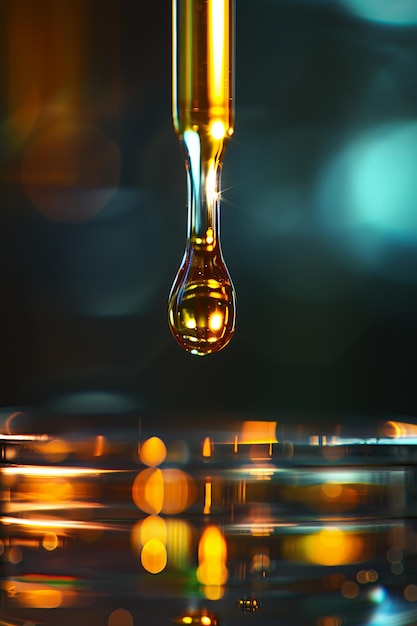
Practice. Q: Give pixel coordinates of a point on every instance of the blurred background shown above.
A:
(319, 215)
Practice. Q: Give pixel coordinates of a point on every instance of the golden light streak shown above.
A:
(218, 47)
(211, 186)
(45, 524)
(203, 67)
(30, 505)
(24, 437)
(55, 471)
(261, 529)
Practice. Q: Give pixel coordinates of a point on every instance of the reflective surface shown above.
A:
(254, 520)
(202, 303)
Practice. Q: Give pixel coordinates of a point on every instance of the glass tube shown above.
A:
(202, 302)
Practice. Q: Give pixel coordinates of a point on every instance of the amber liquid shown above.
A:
(203, 65)
(202, 306)
(202, 319)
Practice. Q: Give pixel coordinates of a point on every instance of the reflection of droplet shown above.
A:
(154, 556)
(71, 171)
(153, 527)
(148, 490)
(153, 452)
(212, 555)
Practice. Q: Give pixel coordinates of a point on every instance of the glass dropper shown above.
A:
(202, 302)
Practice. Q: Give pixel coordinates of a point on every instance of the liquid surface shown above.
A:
(202, 302)
(198, 513)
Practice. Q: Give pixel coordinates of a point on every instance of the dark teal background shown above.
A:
(326, 292)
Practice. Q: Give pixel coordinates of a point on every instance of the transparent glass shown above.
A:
(202, 302)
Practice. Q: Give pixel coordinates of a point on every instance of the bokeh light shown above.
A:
(169, 491)
(179, 543)
(390, 12)
(120, 617)
(329, 620)
(153, 452)
(212, 571)
(71, 171)
(153, 527)
(55, 450)
(50, 541)
(410, 592)
(148, 490)
(154, 556)
(367, 193)
(179, 491)
(329, 546)
(39, 37)
(350, 590)
(42, 598)
(207, 448)
(14, 555)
